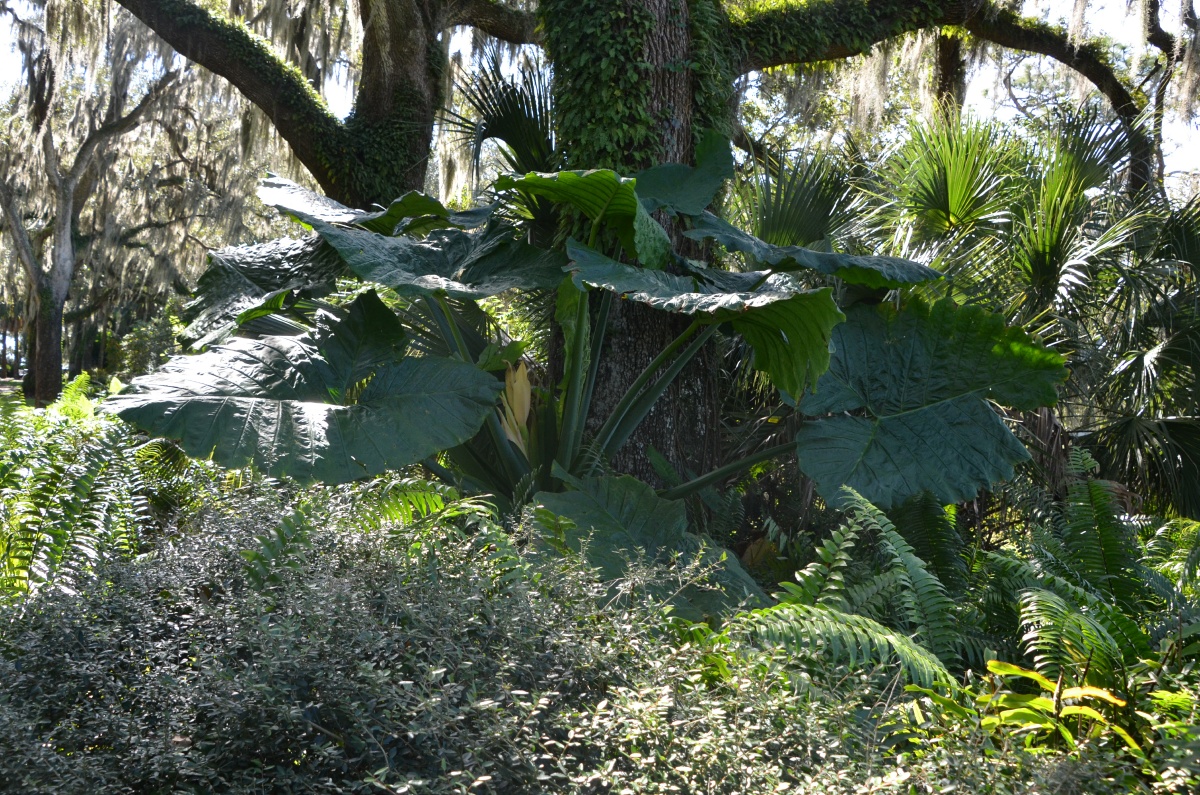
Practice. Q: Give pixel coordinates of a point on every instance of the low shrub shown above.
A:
(259, 657)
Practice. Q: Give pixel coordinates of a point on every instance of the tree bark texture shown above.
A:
(45, 371)
(951, 71)
(655, 102)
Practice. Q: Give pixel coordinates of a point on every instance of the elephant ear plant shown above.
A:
(900, 395)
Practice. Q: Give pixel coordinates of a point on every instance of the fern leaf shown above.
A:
(930, 609)
(823, 581)
(843, 638)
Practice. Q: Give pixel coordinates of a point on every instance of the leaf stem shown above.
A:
(732, 468)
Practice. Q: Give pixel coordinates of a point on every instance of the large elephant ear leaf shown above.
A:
(617, 519)
(919, 382)
(788, 327)
(369, 337)
(606, 197)
(285, 195)
(240, 278)
(448, 262)
(688, 189)
(414, 213)
(333, 406)
(869, 271)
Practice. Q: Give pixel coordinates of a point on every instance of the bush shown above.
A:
(429, 659)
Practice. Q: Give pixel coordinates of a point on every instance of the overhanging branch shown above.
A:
(819, 30)
(245, 60)
(496, 19)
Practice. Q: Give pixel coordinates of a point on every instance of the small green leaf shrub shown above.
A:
(421, 658)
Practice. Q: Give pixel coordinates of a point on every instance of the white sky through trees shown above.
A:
(986, 95)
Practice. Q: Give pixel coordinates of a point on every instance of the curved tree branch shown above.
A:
(818, 30)
(117, 127)
(245, 60)
(495, 18)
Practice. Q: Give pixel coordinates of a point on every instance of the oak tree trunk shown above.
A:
(684, 424)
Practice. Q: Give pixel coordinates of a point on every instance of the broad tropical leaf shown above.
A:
(870, 271)
(240, 278)
(604, 197)
(618, 518)
(447, 262)
(688, 189)
(919, 381)
(788, 327)
(333, 406)
(421, 212)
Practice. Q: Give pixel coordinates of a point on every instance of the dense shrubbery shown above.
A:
(442, 656)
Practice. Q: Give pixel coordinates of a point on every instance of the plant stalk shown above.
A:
(720, 473)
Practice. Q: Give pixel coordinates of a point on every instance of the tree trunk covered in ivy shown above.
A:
(633, 89)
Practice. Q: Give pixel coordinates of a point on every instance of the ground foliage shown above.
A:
(437, 656)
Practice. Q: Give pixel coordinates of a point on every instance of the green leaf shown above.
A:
(423, 213)
(918, 382)
(686, 189)
(614, 519)
(448, 262)
(1008, 669)
(844, 638)
(354, 347)
(285, 404)
(289, 197)
(240, 278)
(788, 327)
(875, 272)
(604, 197)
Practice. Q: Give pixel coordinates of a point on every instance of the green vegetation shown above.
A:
(365, 536)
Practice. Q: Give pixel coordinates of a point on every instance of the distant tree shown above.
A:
(116, 173)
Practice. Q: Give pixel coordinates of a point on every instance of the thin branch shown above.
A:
(118, 127)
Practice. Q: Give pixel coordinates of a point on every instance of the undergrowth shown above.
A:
(309, 656)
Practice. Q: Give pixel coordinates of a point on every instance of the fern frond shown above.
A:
(1059, 636)
(1132, 640)
(871, 598)
(926, 527)
(823, 582)
(930, 609)
(843, 638)
(401, 501)
(1101, 545)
